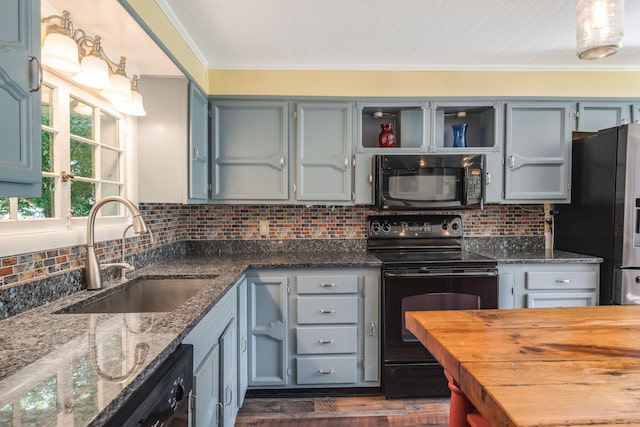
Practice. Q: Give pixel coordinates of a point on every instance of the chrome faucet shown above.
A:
(92, 267)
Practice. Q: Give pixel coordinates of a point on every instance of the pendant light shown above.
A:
(60, 50)
(119, 92)
(600, 28)
(135, 107)
(95, 70)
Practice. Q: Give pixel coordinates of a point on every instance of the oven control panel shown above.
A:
(415, 226)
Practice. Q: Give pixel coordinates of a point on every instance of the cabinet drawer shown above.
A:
(327, 284)
(562, 280)
(326, 370)
(334, 309)
(561, 299)
(326, 340)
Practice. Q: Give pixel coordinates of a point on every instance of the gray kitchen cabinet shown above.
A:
(537, 152)
(198, 145)
(215, 344)
(329, 335)
(20, 99)
(363, 182)
(324, 136)
(250, 151)
(243, 350)
(635, 112)
(410, 122)
(548, 285)
(267, 328)
(593, 116)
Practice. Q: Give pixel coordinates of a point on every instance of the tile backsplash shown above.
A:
(171, 223)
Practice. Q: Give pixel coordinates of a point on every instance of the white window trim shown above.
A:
(31, 235)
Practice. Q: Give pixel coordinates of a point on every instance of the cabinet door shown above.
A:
(635, 113)
(250, 150)
(21, 146)
(593, 116)
(267, 330)
(243, 367)
(507, 285)
(206, 389)
(228, 370)
(324, 139)
(371, 330)
(363, 179)
(538, 139)
(198, 145)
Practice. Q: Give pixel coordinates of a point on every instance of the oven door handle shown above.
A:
(443, 274)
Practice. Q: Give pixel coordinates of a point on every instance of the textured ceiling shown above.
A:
(393, 34)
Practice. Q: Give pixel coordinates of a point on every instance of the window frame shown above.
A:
(62, 230)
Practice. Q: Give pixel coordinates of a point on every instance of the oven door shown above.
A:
(410, 370)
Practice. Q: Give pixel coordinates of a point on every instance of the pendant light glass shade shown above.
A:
(600, 28)
(60, 52)
(135, 108)
(95, 72)
(120, 90)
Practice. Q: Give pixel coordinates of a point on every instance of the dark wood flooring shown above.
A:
(353, 411)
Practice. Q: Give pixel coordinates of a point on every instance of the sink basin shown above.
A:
(143, 296)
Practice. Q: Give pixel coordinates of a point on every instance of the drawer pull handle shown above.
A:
(329, 372)
(328, 285)
(372, 331)
(327, 311)
(326, 341)
(563, 281)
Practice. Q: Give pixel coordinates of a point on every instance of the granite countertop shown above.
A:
(537, 256)
(79, 359)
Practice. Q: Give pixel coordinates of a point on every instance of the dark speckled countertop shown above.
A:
(43, 354)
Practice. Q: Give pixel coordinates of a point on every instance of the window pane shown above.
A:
(4, 209)
(47, 151)
(81, 119)
(109, 165)
(42, 207)
(110, 209)
(6, 415)
(39, 404)
(47, 111)
(108, 130)
(82, 159)
(83, 197)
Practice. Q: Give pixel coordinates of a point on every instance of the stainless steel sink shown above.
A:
(143, 296)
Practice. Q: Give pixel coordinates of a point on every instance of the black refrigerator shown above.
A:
(603, 218)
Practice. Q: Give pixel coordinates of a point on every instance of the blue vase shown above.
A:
(459, 135)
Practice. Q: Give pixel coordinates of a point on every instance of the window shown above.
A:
(84, 152)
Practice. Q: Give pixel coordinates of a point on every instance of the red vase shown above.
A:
(387, 138)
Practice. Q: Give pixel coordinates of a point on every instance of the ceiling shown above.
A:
(393, 34)
(357, 34)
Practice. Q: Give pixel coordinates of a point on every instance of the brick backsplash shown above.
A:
(171, 223)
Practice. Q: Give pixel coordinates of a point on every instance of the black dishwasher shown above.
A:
(162, 400)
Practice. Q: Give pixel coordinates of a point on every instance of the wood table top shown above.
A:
(541, 367)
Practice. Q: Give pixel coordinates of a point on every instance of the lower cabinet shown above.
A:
(548, 285)
(314, 327)
(214, 399)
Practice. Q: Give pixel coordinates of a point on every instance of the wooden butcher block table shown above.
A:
(541, 367)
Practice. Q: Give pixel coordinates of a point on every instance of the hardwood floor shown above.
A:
(353, 411)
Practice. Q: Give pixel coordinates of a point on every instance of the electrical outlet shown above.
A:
(264, 227)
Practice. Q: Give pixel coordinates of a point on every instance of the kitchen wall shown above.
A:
(172, 223)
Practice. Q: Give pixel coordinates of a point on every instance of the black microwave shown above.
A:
(430, 181)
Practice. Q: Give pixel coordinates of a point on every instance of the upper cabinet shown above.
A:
(537, 150)
(406, 125)
(282, 152)
(250, 150)
(593, 116)
(478, 123)
(20, 81)
(324, 133)
(198, 145)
